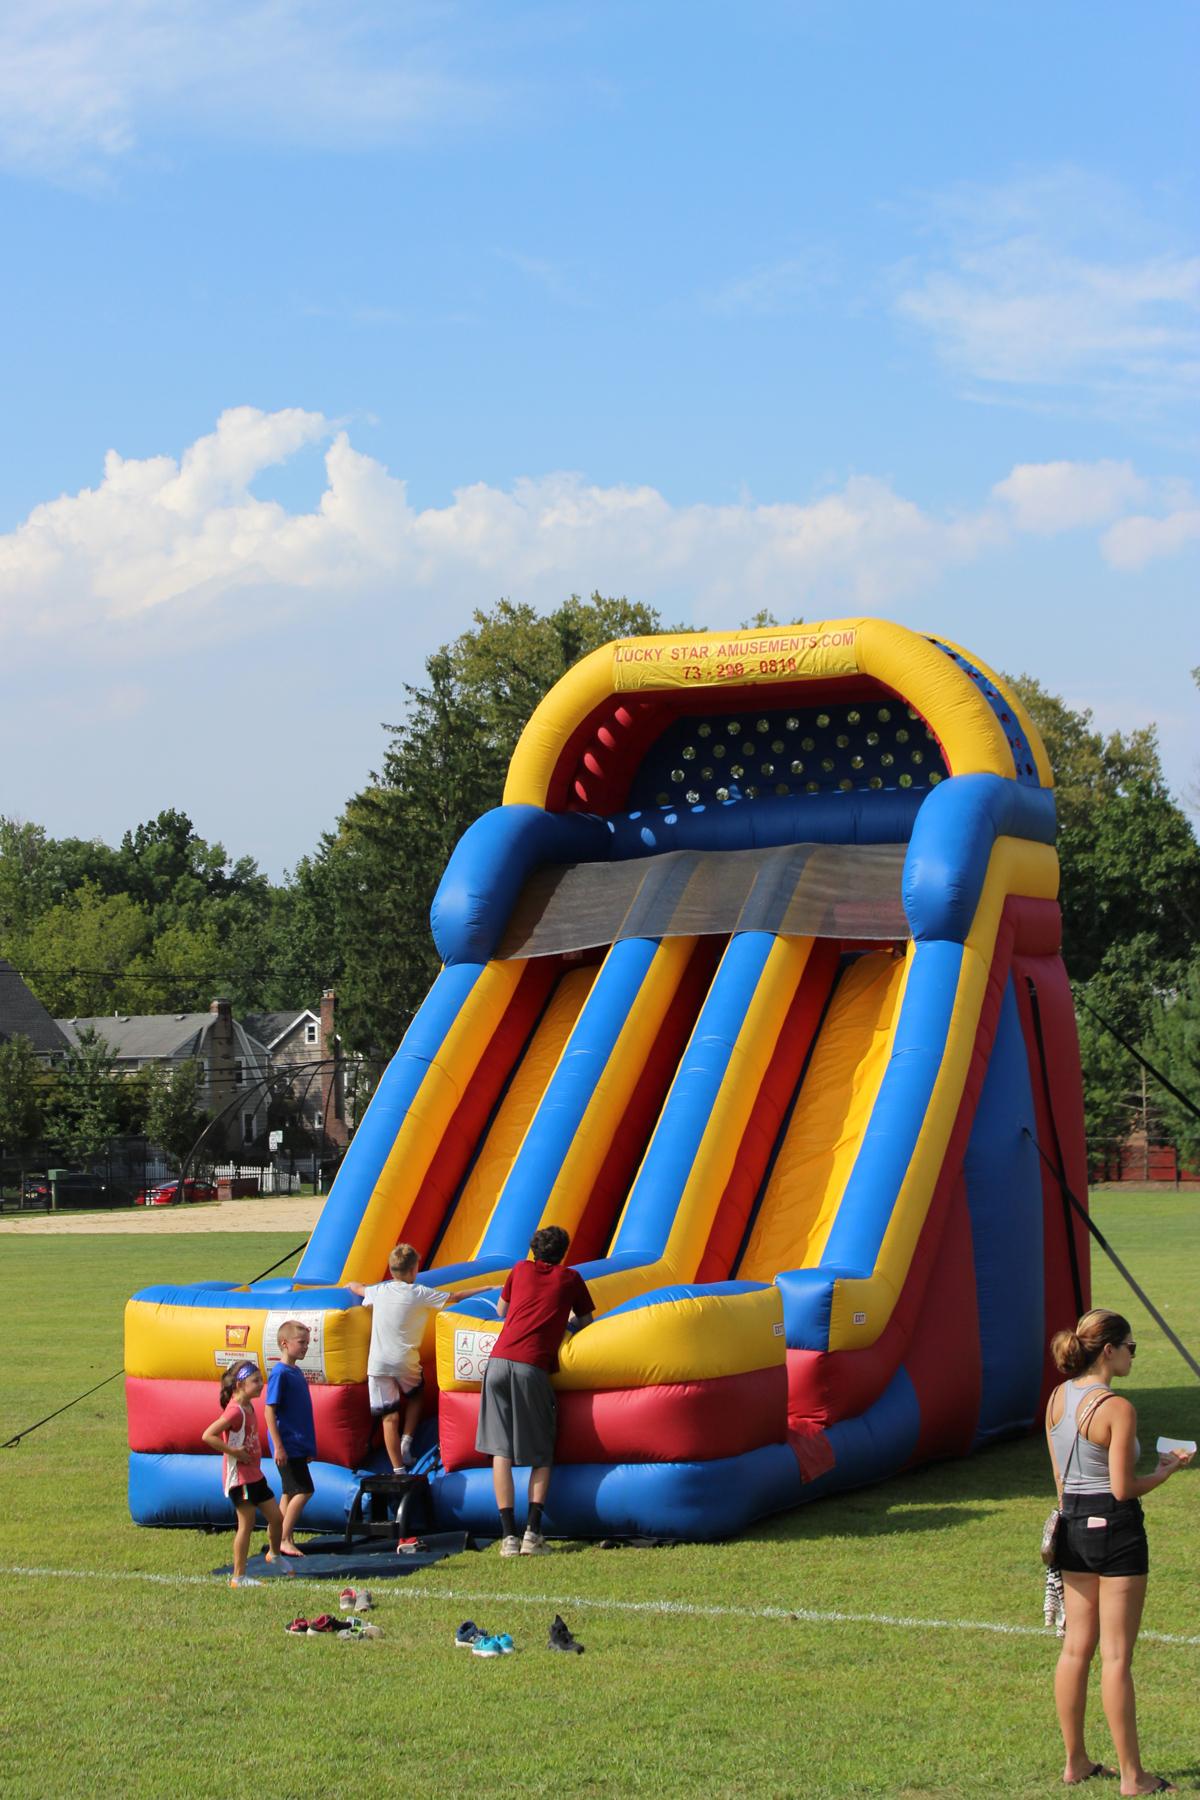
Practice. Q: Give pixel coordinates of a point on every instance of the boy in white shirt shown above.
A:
(395, 1382)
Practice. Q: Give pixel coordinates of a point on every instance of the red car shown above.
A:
(167, 1192)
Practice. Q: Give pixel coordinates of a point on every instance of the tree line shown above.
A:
(165, 920)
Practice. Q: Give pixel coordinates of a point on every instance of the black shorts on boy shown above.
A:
(295, 1475)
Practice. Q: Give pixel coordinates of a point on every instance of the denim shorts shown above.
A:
(1100, 1535)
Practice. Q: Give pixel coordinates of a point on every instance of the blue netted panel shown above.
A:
(1022, 753)
(752, 754)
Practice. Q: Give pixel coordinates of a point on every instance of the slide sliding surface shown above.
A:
(570, 1148)
(472, 1208)
(412, 1148)
(823, 1136)
(712, 1129)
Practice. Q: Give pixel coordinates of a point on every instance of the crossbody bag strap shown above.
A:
(1062, 1486)
(1062, 1480)
(1093, 1408)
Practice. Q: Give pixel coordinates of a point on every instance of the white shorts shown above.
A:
(388, 1395)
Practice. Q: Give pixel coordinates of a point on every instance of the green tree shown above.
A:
(297, 950)
(38, 872)
(165, 923)
(84, 1113)
(77, 957)
(169, 869)
(22, 1081)
(1130, 892)
(174, 1116)
(1130, 860)
(1174, 1045)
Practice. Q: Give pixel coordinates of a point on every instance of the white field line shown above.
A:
(669, 1608)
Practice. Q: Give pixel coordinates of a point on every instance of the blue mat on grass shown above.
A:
(375, 1559)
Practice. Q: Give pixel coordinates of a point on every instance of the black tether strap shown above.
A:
(1108, 1250)
(1060, 1170)
(12, 1442)
(1138, 1057)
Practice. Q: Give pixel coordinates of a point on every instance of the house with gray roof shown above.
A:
(231, 1060)
(23, 1015)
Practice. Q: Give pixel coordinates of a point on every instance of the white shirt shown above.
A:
(398, 1313)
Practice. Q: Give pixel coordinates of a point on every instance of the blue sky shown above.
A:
(321, 332)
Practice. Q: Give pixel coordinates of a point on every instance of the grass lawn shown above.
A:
(114, 1685)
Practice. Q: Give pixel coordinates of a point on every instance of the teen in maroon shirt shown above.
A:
(517, 1408)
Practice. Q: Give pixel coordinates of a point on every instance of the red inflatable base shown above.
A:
(168, 1416)
(694, 1421)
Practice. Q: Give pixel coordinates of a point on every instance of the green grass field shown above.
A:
(112, 1683)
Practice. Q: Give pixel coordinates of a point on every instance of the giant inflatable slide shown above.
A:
(753, 984)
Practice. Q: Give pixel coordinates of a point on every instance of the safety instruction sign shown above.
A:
(471, 1352)
(312, 1363)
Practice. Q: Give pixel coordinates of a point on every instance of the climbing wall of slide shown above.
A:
(753, 984)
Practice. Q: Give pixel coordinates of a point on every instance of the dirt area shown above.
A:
(276, 1213)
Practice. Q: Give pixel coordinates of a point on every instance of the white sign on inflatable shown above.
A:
(312, 1363)
(471, 1352)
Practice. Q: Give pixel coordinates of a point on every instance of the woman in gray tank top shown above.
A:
(1102, 1551)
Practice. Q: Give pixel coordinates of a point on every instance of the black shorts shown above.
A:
(247, 1491)
(1100, 1535)
(294, 1475)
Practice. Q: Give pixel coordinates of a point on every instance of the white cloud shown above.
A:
(82, 82)
(163, 550)
(191, 540)
(1062, 496)
(1134, 542)
(1055, 284)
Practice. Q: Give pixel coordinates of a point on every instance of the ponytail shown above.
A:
(1075, 1351)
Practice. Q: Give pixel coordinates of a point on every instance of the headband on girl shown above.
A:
(245, 1370)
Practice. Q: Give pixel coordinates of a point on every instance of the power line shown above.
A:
(165, 974)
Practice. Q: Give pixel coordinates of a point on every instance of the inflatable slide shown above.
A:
(753, 984)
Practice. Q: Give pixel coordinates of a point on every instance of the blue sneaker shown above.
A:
(506, 1644)
(468, 1635)
(487, 1646)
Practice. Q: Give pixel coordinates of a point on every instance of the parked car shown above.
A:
(36, 1191)
(167, 1192)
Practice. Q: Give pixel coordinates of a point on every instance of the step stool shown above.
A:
(410, 1496)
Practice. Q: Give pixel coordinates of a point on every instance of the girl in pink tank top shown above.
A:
(234, 1435)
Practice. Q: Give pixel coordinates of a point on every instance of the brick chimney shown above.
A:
(333, 1088)
(221, 1055)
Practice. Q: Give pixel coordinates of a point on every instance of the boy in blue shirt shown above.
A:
(290, 1423)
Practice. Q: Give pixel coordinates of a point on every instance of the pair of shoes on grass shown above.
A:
(471, 1636)
(355, 1600)
(325, 1625)
(532, 1544)
(359, 1628)
(479, 1642)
